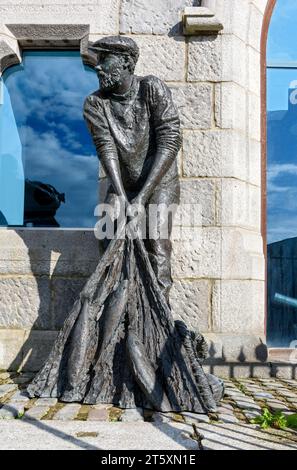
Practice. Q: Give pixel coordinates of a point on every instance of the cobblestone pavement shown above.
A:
(244, 400)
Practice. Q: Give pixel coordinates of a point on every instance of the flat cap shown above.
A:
(116, 45)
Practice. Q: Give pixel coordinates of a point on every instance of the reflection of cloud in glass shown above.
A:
(47, 93)
(282, 36)
(282, 201)
(281, 157)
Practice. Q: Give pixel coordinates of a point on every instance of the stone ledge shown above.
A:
(53, 36)
(8, 56)
(64, 33)
(199, 20)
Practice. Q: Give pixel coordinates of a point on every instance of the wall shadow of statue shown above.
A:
(60, 262)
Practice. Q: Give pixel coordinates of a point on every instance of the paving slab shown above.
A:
(36, 412)
(5, 389)
(242, 437)
(57, 435)
(245, 405)
(12, 411)
(132, 415)
(98, 414)
(251, 414)
(262, 395)
(46, 402)
(20, 396)
(277, 406)
(195, 417)
(227, 418)
(68, 412)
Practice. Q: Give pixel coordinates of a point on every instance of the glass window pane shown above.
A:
(282, 206)
(11, 165)
(282, 36)
(48, 144)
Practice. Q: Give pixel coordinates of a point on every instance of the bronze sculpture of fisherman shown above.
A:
(120, 343)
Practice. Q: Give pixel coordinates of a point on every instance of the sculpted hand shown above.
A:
(135, 216)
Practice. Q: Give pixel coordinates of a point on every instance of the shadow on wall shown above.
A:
(261, 354)
(177, 29)
(241, 367)
(61, 262)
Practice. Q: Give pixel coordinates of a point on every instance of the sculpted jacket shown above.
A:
(139, 129)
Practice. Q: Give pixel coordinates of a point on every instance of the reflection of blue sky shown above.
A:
(11, 165)
(282, 124)
(47, 93)
(282, 36)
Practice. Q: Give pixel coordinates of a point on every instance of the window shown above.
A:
(48, 164)
(282, 175)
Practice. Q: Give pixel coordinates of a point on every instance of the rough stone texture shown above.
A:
(284, 371)
(195, 105)
(52, 36)
(198, 258)
(231, 302)
(239, 204)
(254, 162)
(255, 27)
(102, 15)
(254, 116)
(201, 194)
(24, 301)
(167, 60)
(228, 253)
(191, 303)
(242, 256)
(8, 56)
(48, 252)
(254, 71)
(214, 153)
(205, 59)
(154, 17)
(230, 106)
(29, 32)
(217, 58)
(234, 15)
